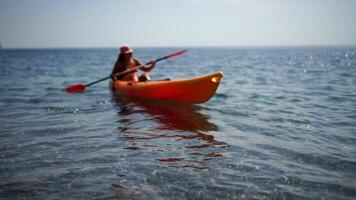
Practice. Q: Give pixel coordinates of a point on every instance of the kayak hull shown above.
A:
(192, 91)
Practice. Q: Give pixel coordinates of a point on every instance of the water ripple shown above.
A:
(281, 126)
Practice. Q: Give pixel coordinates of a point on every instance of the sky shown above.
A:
(147, 23)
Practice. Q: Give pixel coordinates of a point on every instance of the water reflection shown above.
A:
(153, 125)
(171, 116)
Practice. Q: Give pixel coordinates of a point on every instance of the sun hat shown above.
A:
(126, 48)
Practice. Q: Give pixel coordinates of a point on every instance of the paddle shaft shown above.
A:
(135, 68)
(121, 73)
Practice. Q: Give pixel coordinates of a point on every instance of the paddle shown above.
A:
(81, 87)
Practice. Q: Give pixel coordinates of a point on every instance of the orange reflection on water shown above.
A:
(176, 121)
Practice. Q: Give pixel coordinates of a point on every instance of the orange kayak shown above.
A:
(192, 91)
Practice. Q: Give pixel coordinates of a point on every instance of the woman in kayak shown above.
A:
(126, 61)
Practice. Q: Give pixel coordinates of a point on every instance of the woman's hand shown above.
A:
(114, 76)
(153, 64)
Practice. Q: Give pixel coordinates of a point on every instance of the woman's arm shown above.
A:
(148, 69)
(145, 69)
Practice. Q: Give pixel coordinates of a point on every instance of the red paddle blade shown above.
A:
(75, 88)
(176, 54)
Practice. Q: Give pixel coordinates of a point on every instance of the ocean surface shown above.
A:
(282, 125)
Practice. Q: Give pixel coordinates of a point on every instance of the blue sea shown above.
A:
(282, 125)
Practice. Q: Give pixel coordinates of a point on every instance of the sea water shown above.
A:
(282, 125)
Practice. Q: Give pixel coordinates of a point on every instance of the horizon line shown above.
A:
(182, 46)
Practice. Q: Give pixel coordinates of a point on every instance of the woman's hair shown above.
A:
(121, 58)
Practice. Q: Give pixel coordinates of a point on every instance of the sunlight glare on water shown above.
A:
(281, 125)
